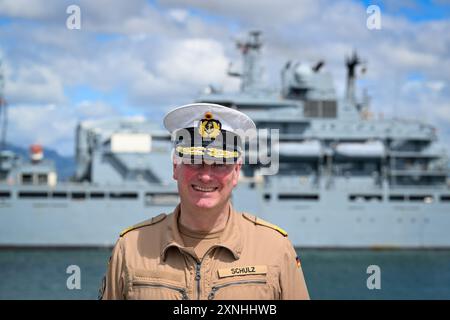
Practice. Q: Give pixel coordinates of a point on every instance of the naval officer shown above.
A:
(205, 248)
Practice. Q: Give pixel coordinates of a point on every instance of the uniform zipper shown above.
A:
(198, 266)
(215, 288)
(198, 277)
(184, 295)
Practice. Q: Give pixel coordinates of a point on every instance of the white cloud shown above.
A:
(44, 124)
(405, 57)
(443, 112)
(50, 125)
(94, 109)
(33, 84)
(193, 61)
(159, 55)
(436, 86)
(27, 8)
(178, 15)
(258, 13)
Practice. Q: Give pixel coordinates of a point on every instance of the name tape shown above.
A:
(242, 271)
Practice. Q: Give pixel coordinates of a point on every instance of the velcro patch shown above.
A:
(242, 271)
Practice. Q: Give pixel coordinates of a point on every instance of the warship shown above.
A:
(344, 179)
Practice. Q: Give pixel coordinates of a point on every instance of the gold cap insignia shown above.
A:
(209, 128)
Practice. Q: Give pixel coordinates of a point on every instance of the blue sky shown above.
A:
(415, 11)
(141, 57)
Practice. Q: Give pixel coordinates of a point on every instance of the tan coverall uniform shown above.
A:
(252, 260)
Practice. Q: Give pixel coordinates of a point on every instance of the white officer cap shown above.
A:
(208, 131)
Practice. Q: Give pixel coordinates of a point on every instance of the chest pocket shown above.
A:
(234, 286)
(156, 285)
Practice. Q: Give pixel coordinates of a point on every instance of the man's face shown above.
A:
(205, 186)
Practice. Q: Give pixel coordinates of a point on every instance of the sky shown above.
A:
(142, 58)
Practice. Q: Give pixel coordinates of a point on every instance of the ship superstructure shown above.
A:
(344, 179)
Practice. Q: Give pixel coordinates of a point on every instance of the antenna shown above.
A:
(352, 62)
(318, 66)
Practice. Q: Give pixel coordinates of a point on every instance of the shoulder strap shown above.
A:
(145, 223)
(262, 222)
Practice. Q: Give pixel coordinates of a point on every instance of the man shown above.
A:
(205, 249)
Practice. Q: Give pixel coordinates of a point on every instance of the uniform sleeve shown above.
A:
(113, 282)
(293, 285)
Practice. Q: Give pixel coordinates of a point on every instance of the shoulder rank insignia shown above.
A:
(208, 127)
(148, 222)
(264, 223)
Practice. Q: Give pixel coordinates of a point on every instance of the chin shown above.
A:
(206, 204)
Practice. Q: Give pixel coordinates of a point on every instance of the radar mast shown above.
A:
(251, 75)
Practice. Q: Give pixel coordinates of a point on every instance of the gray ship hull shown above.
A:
(78, 221)
(312, 218)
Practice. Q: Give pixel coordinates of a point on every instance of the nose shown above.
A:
(205, 174)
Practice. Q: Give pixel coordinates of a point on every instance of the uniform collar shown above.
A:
(231, 238)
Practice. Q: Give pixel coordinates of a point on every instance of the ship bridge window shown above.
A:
(397, 198)
(161, 199)
(320, 109)
(365, 197)
(27, 178)
(78, 195)
(306, 197)
(421, 198)
(5, 194)
(59, 195)
(123, 195)
(445, 198)
(97, 195)
(42, 178)
(32, 194)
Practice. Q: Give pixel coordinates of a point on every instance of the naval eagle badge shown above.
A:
(208, 127)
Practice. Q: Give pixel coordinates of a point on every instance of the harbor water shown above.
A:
(330, 274)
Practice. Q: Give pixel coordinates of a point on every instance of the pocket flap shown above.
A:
(144, 274)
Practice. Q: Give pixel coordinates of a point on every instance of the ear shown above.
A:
(175, 170)
(236, 172)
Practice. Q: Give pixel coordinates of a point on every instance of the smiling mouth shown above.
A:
(204, 189)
